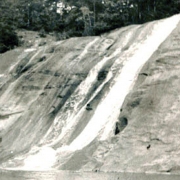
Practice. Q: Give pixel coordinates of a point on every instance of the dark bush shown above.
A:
(42, 33)
(8, 38)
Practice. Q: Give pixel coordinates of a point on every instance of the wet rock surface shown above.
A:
(150, 141)
(67, 106)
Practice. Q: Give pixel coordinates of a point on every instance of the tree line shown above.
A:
(68, 18)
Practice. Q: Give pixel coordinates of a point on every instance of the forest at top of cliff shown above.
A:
(69, 18)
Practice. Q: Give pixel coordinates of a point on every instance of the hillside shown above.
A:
(105, 103)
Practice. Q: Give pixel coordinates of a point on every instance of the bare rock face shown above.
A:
(108, 103)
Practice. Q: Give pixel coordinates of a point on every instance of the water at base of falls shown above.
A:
(54, 175)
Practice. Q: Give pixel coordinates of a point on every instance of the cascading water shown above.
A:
(75, 126)
(108, 110)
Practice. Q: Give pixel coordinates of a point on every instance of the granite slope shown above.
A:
(106, 103)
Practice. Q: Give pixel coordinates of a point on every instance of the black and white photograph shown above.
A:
(89, 89)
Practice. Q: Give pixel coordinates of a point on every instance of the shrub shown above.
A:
(8, 38)
(42, 33)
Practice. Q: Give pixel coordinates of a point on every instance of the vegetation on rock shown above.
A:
(8, 38)
(68, 18)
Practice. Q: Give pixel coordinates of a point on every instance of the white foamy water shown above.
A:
(69, 119)
(81, 91)
(43, 160)
(30, 50)
(131, 69)
(85, 51)
(107, 112)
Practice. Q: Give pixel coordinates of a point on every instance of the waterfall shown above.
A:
(117, 56)
(107, 112)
